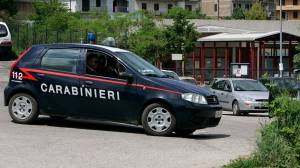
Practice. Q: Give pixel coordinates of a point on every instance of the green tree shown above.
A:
(257, 12)
(148, 41)
(9, 6)
(182, 36)
(53, 14)
(238, 13)
(172, 13)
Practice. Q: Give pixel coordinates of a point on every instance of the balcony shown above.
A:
(288, 7)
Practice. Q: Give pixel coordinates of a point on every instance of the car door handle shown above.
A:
(89, 82)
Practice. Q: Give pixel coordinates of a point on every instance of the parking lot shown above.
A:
(75, 143)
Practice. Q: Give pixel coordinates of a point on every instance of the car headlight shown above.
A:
(246, 98)
(194, 98)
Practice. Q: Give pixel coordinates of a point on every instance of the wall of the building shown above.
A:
(208, 7)
(289, 9)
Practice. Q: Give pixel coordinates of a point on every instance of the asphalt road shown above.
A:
(74, 143)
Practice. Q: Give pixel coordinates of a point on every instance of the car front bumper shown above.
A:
(194, 116)
(254, 106)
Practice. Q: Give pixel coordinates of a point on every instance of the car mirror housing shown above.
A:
(126, 76)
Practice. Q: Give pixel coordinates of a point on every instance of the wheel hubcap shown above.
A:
(21, 107)
(159, 119)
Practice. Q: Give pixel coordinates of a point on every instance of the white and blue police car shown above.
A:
(105, 83)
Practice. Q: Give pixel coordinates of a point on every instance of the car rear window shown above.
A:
(3, 31)
(61, 60)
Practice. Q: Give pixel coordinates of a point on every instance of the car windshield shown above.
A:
(140, 65)
(3, 31)
(248, 85)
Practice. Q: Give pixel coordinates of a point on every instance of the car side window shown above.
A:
(101, 64)
(227, 86)
(219, 85)
(61, 60)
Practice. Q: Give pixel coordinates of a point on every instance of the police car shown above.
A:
(105, 83)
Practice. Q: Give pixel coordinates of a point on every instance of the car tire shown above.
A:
(236, 108)
(158, 120)
(184, 132)
(23, 108)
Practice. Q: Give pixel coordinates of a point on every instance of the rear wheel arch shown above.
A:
(21, 90)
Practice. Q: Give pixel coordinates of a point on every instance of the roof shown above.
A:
(239, 26)
(112, 49)
(251, 36)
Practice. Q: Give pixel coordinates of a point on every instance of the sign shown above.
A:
(176, 57)
(240, 70)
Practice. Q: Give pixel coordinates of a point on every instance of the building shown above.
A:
(224, 8)
(224, 42)
(290, 9)
(155, 6)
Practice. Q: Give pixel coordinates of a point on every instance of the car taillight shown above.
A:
(19, 58)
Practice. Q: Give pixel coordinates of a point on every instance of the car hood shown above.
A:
(254, 94)
(178, 86)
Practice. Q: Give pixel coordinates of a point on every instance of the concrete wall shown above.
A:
(208, 7)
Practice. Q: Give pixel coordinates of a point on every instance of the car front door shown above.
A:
(218, 90)
(227, 96)
(105, 94)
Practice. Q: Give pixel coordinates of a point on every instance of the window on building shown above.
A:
(98, 3)
(295, 15)
(188, 7)
(156, 7)
(247, 6)
(283, 2)
(295, 2)
(216, 7)
(170, 6)
(240, 5)
(284, 15)
(234, 5)
(144, 6)
(61, 60)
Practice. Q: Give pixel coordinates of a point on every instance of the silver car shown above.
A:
(242, 96)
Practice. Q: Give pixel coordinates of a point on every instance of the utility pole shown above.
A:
(218, 9)
(280, 63)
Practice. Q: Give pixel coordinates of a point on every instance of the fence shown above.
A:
(27, 34)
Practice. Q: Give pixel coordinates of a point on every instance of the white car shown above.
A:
(5, 37)
(188, 79)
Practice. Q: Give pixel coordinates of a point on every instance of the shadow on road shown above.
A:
(115, 127)
(249, 115)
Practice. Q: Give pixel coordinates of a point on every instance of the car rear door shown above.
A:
(57, 76)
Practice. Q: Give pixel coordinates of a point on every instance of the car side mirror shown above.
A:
(126, 76)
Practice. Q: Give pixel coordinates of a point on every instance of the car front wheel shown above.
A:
(158, 120)
(236, 108)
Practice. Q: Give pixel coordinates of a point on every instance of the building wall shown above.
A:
(225, 6)
(289, 10)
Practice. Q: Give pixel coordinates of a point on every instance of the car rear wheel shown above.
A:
(236, 108)
(158, 120)
(23, 108)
